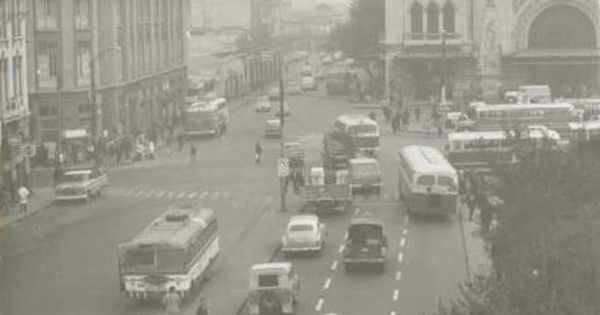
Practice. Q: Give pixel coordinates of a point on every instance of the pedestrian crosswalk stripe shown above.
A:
(171, 194)
(138, 193)
(160, 194)
(180, 195)
(129, 192)
(214, 195)
(192, 195)
(203, 195)
(149, 194)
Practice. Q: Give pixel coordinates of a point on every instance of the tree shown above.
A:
(363, 32)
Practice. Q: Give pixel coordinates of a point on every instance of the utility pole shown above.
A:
(283, 179)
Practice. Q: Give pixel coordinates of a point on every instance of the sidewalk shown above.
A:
(477, 255)
(41, 199)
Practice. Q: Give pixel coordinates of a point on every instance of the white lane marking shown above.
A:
(396, 295)
(129, 192)
(356, 211)
(214, 195)
(327, 284)
(319, 305)
(203, 195)
(404, 231)
(405, 219)
(192, 195)
(402, 242)
(149, 194)
(334, 265)
(400, 257)
(180, 195)
(171, 194)
(160, 194)
(346, 235)
(398, 275)
(139, 193)
(392, 313)
(341, 249)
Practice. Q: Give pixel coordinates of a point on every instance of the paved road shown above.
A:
(63, 261)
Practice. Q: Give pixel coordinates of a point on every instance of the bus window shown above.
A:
(140, 259)
(445, 181)
(173, 259)
(426, 180)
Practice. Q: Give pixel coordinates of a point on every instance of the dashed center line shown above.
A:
(405, 220)
(356, 211)
(392, 313)
(396, 295)
(203, 195)
(341, 249)
(160, 194)
(334, 265)
(214, 195)
(404, 231)
(171, 194)
(400, 257)
(398, 275)
(327, 284)
(402, 242)
(192, 195)
(180, 195)
(319, 305)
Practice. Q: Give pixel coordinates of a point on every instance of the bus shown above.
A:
(479, 148)
(427, 183)
(207, 118)
(588, 131)
(555, 116)
(178, 249)
(338, 80)
(362, 132)
(590, 107)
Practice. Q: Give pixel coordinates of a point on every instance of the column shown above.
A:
(489, 56)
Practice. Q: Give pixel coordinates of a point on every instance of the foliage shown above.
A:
(545, 251)
(363, 32)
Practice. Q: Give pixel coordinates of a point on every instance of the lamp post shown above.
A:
(95, 123)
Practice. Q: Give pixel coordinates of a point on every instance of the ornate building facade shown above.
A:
(480, 48)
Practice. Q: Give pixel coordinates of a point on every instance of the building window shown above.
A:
(46, 13)
(17, 77)
(17, 17)
(3, 18)
(82, 63)
(82, 14)
(47, 63)
(449, 17)
(416, 18)
(433, 18)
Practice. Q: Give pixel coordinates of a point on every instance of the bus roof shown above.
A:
(426, 159)
(502, 107)
(282, 267)
(356, 119)
(586, 125)
(206, 106)
(175, 228)
(476, 135)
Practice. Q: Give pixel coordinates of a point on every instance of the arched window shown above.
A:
(449, 17)
(433, 18)
(416, 18)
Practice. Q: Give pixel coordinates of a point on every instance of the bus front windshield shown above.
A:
(362, 129)
(149, 259)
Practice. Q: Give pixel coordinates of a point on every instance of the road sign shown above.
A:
(28, 149)
(283, 168)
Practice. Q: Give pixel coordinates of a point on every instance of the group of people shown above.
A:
(477, 195)
(400, 119)
(7, 200)
(172, 302)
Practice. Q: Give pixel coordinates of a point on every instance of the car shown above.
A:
(80, 184)
(365, 244)
(309, 83)
(453, 119)
(294, 88)
(273, 128)
(286, 109)
(273, 288)
(365, 175)
(262, 104)
(304, 233)
(274, 93)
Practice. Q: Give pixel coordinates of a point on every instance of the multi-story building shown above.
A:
(14, 110)
(483, 47)
(127, 55)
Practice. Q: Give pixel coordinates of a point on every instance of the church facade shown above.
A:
(477, 49)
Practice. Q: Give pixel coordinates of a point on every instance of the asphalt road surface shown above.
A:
(63, 260)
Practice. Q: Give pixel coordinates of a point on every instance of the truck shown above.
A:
(337, 81)
(327, 190)
(337, 149)
(365, 244)
(294, 152)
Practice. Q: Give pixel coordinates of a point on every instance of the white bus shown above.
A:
(362, 131)
(207, 118)
(479, 148)
(588, 131)
(555, 116)
(427, 183)
(178, 249)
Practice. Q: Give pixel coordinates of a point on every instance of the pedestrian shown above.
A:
(56, 174)
(193, 154)
(470, 201)
(387, 113)
(405, 119)
(440, 130)
(6, 200)
(23, 195)
(172, 302)
(180, 141)
(418, 113)
(151, 149)
(169, 140)
(395, 122)
(295, 180)
(258, 150)
(373, 116)
(202, 307)
(486, 215)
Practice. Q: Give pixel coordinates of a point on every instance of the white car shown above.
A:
(540, 131)
(262, 104)
(294, 88)
(309, 83)
(304, 233)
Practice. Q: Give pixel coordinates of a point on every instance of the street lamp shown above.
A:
(95, 115)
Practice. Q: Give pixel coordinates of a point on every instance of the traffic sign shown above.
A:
(283, 168)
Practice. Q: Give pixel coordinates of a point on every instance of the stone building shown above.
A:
(14, 110)
(480, 48)
(131, 53)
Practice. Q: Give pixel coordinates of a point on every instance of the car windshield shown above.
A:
(69, 178)
(445, 181)
(268, 280)
(365, 168)
(140, 259)
(302, 227)
(365, 233)
(362, 129)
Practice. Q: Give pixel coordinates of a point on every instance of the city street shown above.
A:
(63, 261)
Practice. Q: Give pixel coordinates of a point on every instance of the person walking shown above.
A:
(470, 201)
(395, 122)
(151, 149)
(180, 141)
(23, 196)
(418, 113)
(193, 153)
(387, 112)
(202, 307)
(172, 302)
(405, 119)
(258, 150)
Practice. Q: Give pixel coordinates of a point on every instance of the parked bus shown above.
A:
(427, 183)
(590, 107)
(478, 149)
(362, 132)
(338, 80)
(178, 249)
(588, 131)
(530, 94)
(207, 118)
(555, 116)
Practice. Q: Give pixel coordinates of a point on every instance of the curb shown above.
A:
(7, 225)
